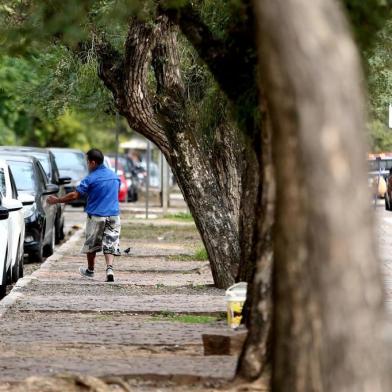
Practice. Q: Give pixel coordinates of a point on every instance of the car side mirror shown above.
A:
(65, 180)
(51, 189)
(12, 205)
(26, 200)
(4, 214)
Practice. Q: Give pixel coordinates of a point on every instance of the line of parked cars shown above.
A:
(28, 224)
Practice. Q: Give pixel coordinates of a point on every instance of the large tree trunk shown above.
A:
(233, 64)
(327, 289)
(211, 180)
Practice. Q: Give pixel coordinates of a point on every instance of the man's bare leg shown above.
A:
(109, 260)
(109, 267)
(91, 260)
(89, 271)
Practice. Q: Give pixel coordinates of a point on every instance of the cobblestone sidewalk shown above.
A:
(55, 321)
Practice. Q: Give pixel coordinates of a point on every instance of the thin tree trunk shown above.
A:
(255, 355)
(328, 299)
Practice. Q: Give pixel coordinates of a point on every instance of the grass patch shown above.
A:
(184, 318)
(199, 255)
(161, 233)
(180, 216)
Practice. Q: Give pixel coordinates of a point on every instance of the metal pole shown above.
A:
(117, 141)
(165, 186)
(161, 178)
(148, 176)
(378, 181)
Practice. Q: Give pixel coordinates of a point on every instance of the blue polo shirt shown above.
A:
(101, 187)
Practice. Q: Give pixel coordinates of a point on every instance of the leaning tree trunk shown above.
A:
(211, 181)
(327, 289)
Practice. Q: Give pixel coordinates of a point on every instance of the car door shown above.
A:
(56, 181)
(50, 210)
(4, 257)
(19, 215)
(14, 207)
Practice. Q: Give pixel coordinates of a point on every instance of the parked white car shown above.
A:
(12, 229)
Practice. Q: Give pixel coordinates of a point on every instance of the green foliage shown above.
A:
(44, 108)
(379, 63)
(53, 96)
(380, 137)
(367, 18)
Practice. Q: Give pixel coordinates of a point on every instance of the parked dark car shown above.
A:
(48, 162)
(131, 175)
(31, 179)
(71, 163)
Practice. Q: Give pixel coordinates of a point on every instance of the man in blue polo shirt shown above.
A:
(103, 227)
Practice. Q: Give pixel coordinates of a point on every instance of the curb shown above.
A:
(14, 295)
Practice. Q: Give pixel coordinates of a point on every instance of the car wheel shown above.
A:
(61, 233)
(16, 267)
(37, 256)
(49, 249)
(3, 285)
(15, 270)
(57, 231)
(21, 267)
(387, 204)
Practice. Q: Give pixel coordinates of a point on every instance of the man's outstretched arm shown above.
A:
(65, 199)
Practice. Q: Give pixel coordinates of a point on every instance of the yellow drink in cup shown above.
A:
(235, 298)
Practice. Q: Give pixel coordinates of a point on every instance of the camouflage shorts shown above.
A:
(103, 234)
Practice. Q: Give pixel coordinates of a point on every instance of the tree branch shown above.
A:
(111, 71)
(232, 62)
(127, 78)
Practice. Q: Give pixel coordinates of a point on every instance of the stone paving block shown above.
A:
(133, 264)
(211, 367)
(89, 329)
(200, 304)
(62, 322)
(99, 288)
(152, 279)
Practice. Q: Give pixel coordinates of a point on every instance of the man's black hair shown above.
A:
(95, 155)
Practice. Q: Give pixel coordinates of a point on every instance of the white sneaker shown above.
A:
(109, 274)
(86, 272)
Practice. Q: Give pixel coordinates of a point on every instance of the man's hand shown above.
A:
(52, 200)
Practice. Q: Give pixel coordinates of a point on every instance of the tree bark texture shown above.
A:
(328, 317)
(255, 355)
(211, 180)
(233, 64)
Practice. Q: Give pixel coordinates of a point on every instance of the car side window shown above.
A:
(56, 175)
(42, 175)
(13, 185)
(3, 188)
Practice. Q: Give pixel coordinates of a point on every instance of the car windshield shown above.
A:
(70, 160)
(23, 174)
(383, 164)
